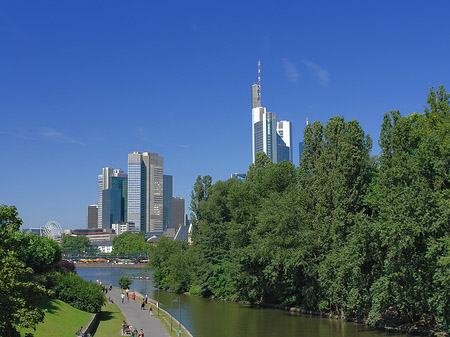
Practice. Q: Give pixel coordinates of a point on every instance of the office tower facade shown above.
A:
(103, 184)
(264, 133)
(145, 191)
(284, 141)
(178, 212)
(92, 220)
(167, 202)
(113, 208)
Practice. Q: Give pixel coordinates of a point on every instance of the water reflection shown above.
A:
(206, 318)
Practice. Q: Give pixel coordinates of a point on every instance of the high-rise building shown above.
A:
(268, 136)
(264, 132)
(167, 202)
(104, 180)
(92, 221)
(178, 212)
(114, 208)
(284, 141)
(145, 191)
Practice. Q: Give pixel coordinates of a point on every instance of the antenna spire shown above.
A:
(307, 123)
(259, 80)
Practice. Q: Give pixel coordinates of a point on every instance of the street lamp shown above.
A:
(179, 320)
(171, 308)
(157, 304)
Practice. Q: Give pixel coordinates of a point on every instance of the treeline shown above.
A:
(31, 269)
(360, 236)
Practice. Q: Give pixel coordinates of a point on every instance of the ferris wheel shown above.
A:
(53, 230)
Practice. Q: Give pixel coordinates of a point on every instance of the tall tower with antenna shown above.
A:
(256, 90)
(264, 125)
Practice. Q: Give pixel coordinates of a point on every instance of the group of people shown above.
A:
(128, 330)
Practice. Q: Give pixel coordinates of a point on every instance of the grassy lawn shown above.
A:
(60, 320)
(110, 321)
(165, 321)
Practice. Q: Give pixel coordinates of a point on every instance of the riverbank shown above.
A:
(410, 329)
(111, 265)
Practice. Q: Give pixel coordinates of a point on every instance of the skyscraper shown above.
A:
(103, 184)
(284, 141)
(145, 191)
(178, 212)
(264, 131)
(167, 202)
(112, 197)
(92, 216)
(268, 136)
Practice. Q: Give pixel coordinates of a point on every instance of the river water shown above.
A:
(215, 318)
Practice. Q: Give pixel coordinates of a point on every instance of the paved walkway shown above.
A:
(136, 317)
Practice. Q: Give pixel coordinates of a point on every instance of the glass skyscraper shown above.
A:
(116, 203)
(145, 191)
(167, 202)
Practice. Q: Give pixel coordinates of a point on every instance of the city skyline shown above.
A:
(174, 80)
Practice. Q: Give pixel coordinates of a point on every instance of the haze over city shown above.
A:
(85, 83)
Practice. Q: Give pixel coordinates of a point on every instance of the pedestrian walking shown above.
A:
(150, 310)
(146, 298)
(134, 297)
(128, 298)
(143, 305)
(123, 296)
(141, 333)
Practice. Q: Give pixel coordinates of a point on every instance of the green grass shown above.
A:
(165, 321)
(110, 321)
(60, 320)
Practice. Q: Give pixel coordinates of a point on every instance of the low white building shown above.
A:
(105, 247)
(121, 227)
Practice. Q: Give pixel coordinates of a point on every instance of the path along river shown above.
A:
(215, 318)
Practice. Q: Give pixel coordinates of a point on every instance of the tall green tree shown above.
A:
(199, 193)
(18, 291)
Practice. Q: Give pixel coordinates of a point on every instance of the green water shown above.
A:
(215, 318)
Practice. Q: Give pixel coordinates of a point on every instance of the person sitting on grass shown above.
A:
(80, 332)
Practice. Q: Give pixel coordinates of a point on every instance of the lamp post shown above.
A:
(171, 306)
(179, 320)
(157, 304)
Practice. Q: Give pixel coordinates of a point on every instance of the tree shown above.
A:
(18, 291)
(76, 243)
(129, 243)
(125, 282)
(199, 193)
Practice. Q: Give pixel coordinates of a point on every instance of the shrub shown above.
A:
(77, 292)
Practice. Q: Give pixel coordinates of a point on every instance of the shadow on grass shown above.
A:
(48, 304)
(102, 317)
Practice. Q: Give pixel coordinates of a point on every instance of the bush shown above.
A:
(80, 294)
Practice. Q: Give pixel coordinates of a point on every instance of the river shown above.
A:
(215, 318)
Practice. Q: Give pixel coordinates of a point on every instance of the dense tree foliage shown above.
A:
(128, 243)
(31, 268)
(23, 257)
(76, 243)
(347, 233)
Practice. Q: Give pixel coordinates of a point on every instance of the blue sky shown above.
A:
(84, 83)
